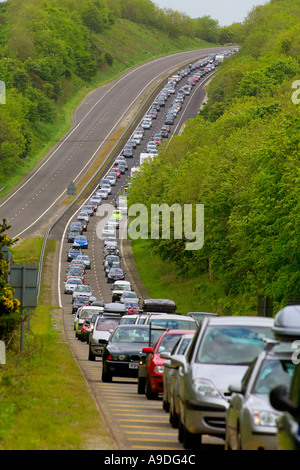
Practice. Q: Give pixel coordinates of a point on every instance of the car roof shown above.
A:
(239, 320)
(134, 325)
(170, 316)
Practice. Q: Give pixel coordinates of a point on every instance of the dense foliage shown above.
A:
(49, 50)
(240, 158)
(10, 308)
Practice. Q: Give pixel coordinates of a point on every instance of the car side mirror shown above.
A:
(147, 350)
(165, 355)
(280, 401)
(236, 388)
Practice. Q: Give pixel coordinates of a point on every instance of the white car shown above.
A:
(110, 240)
(103, 193)
(107, 187)
(146, 124)
(138, 137)
(129, 297)
(84, 215)
(151, 146)
(103, 328)
(96, 199)
(70, 285)
(112, 179)
(108, 231)
(119, 287)
(83, 290)
(85, 260)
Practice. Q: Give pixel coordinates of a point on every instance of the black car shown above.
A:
(127, 151)
(111, 250)
(169, 119)
(73, 234)
(76, 226)
(89, 209)
(79, 302)
(115, 274)
(73, 253)
(122, 354)
(83, 223)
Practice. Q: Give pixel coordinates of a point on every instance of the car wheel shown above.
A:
(149, 394)
(106, 376)
(166, 406)
(239, 438)
(180, 431)
(190, 440)
(92, 357)
(174, 418)
(141, 385)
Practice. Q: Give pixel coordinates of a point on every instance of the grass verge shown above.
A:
(197, 293)
(42, 388)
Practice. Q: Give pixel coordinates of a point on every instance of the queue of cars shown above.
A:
(238, 378)
(215, 374)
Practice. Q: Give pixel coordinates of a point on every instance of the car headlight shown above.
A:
(205, 388)
(264, 418)
(116, 357)
(158, 370)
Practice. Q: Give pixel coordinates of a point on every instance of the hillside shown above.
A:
(240, 158)
(52, 54)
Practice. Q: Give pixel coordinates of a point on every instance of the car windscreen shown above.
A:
(106, 324)
(168, 342)
(82, 288)
(121, 287)
(136, 335)
(274, 372)
(232, 344)
(170, 324)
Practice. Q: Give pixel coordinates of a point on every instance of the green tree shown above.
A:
(10, 308)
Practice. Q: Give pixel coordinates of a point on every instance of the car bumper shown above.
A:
(261, 441)
(97, 348)
(122, 369)
(205, 417)
(156, 383)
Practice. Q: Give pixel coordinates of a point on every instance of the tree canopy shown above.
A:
(10, 308)
(240, 157)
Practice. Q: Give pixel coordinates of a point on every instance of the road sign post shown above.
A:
(23, 279)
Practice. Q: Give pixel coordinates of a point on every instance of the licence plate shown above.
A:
(133, 365)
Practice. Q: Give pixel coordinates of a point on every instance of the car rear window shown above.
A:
(106, 324)
(174, 324)
(232, 344)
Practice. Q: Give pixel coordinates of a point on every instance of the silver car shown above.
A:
(70, 285)
(85, 260)
(169, 371)
(250, 418)
(104, 326)
(220, 354)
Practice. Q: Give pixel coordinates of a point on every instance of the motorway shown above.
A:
(134, 422)
(100, 121)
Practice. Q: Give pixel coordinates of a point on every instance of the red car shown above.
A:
(154, 363)
(117, 171)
